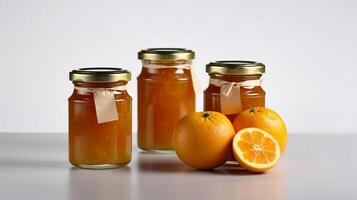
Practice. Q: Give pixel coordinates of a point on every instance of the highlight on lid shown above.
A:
(166, 54)
(236, 67)
(99, 75)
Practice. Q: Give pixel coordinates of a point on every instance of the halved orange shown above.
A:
(255, 149)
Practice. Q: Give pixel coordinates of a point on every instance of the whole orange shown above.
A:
(265, 119)
(202, 140)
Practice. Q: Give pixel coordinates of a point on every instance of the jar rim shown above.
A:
(235, 67)
(166, 54)
(99, 75)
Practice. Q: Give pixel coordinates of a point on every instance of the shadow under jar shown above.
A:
(165, 95)
(100, 118)
(234, 86)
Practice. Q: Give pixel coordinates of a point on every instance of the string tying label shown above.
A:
(104, 102)
(230, 98)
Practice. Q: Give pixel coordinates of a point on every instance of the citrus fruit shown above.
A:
(255, 149)
(265, 119)
(202, 140)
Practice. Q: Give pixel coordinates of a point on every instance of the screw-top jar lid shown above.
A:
(166, 54)
(99, 75)
(235, 67)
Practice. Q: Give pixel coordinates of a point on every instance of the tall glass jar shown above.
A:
(165, 95)
(100, 118)
(234, 87)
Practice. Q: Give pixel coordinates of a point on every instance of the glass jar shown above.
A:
(100, 118)
(234, 87)
(165, 95)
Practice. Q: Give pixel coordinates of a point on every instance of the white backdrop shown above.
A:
(309, 48)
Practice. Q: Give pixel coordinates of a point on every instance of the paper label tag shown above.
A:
(105, 106)
(230, 99)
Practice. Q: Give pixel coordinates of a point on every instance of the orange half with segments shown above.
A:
(255, 149)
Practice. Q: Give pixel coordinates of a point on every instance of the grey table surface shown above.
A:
(315, 166)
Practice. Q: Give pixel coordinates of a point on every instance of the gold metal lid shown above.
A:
(235, 67)
(99, 75)
(166, 54)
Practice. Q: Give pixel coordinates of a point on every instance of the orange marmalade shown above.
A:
(165, 95)
(99, 118)
(227, 77)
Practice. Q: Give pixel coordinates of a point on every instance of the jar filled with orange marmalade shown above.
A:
(234, 86)
(100, 118)
(165, 95)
